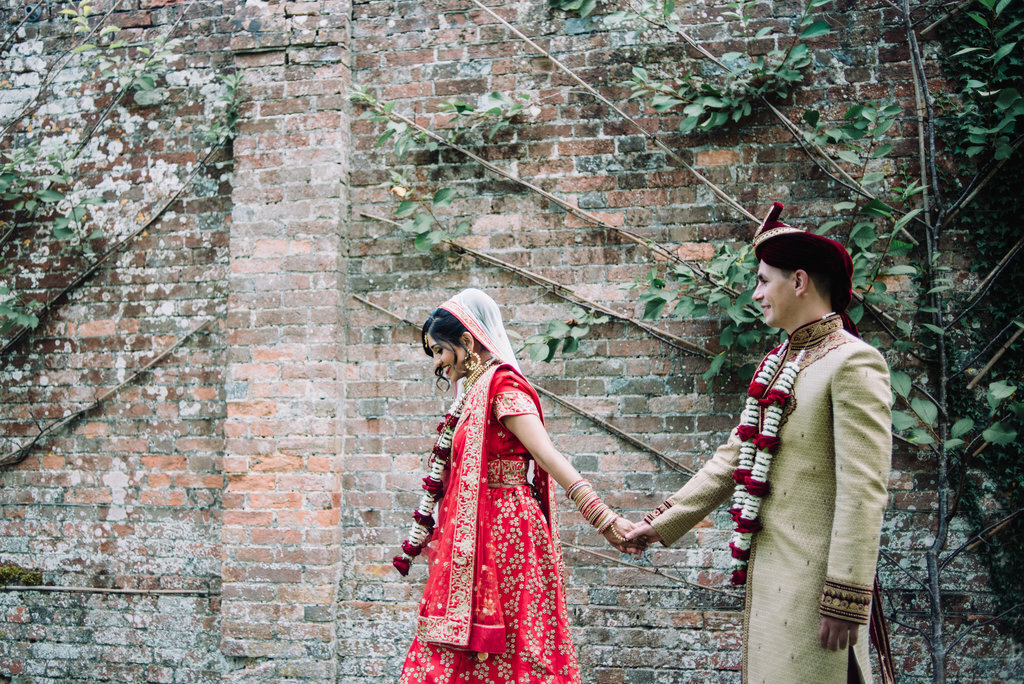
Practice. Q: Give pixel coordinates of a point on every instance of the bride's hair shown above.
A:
(445, 329)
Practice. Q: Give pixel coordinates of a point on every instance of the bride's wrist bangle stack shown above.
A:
(590, 506)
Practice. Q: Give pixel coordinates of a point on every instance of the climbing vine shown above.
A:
(46, 175)
(955, 393)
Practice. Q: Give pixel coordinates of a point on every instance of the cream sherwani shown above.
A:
(817, 551)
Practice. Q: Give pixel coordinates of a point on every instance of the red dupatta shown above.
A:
(461, 606)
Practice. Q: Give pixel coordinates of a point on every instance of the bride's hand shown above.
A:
(616, 536)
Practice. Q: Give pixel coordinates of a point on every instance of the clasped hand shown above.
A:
(629, 537)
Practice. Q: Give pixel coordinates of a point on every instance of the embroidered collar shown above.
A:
(814, 333)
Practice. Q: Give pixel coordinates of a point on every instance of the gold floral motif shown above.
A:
(514, 403)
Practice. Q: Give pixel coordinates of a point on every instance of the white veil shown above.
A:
(481, 316)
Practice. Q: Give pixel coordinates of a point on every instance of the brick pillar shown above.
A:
(281, 550)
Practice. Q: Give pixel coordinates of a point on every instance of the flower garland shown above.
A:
(433, 485)
(756, 452)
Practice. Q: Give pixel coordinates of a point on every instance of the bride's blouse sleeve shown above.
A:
(509, 397)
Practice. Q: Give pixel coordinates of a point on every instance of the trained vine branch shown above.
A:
(53, 427)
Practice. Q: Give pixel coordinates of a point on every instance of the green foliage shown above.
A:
(39, 176)
(708, 103)
(564, 335)
(581, 7)
(494, 115)
(981, 124)
(118, 61)
(224, 128)
(416, 214)
(15, 312)
(988, 64)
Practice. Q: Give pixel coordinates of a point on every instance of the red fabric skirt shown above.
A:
(539, 648)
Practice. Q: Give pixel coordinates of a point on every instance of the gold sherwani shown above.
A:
(817, 551)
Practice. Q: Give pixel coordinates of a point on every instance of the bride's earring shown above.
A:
(473, 362)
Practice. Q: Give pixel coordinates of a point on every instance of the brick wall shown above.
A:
(269, 464)
(130, 496)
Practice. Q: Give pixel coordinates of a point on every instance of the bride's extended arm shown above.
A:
(531, 432)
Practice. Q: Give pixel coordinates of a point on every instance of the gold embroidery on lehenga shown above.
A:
(506, 472)
(454, 625)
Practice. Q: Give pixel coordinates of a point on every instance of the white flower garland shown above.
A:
(432, 483)
(755, 455)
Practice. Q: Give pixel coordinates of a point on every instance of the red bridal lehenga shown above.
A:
(493, 610)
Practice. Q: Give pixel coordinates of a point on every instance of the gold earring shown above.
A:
(472, 362)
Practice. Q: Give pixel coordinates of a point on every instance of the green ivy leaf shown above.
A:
(903, 420)
(715, 367)
(427, 241)
(900, 382)
(557, 328)
(1003, 51)
(538, 352)
(902, 270)
(877, 208)
(662, 103)
(925, 409)
(978, 18)
(881, 151)
(405, 208)
(818, 28)
(443, 197)
(961, 427)
(49, 196)
(999, 434)
(552, 349)
(997, 392)
(653, 308)
(848, 156)
(919, 436)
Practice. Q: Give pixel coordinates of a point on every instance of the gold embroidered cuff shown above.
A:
(850, 602)
(515, 403)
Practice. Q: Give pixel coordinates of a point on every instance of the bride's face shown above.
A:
(452, 360)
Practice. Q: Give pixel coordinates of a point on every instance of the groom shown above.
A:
(806, 469)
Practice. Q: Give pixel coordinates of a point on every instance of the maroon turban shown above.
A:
(789, 248)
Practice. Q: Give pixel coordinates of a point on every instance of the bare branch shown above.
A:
(889, 557)
(568, 294)
(112, 590)
(992, 362)
(981, 537)
(615, 431)
(55, 69)
(654, 571)
(935, 24)
(20, 453)
(985, 284)
(969, 364)
(978, 183)
(95, 265)
(568, 404)
(650, 136)
(27, 15)
(981, 624)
